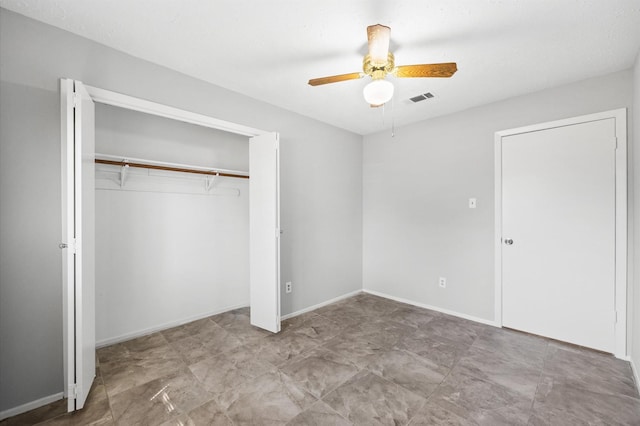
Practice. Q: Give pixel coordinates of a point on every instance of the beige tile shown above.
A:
(435, 415)
(282, 348)
(230, 369)
(239, 325)
(386, 334)
(318, 328)
(231, 318)
(175, 333)
(513, 344)
(145, 343)
(320, 371)
(437, 349)
(297, 321)
(208, 343)
(481, 401)
(578, 367)
(372, 306)
(201, 326)
(181, 420)
(209, 414)
(373, 361)
(409, 370)
(344, 318)
(412, 316)
(555, 418)
(124, 351)
(270, 399)
(319, 414)
(519, 374)
(141, 366)
(367, 399)
(191, 348)
(357, 350)
(456, 330)
(592, 405)
(159, 400)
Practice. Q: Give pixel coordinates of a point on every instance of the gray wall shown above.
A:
(417, 224)
(30, 226)
(321, 211)
(635, 218)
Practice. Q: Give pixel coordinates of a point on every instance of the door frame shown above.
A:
(136, 104)
(621, 249)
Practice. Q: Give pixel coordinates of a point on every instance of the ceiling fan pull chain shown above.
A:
(393, 120)
(384, 114)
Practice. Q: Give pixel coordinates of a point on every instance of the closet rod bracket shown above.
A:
(210, 181)
(123, 174)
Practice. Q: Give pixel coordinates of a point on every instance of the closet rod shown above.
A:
(170, 168)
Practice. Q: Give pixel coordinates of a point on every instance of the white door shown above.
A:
(558, 233)
(264, 228)
(78, 204)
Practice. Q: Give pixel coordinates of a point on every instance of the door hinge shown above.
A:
(615, 143)
(73, 246)
(73, 391)
(76, 99)
(615, 317)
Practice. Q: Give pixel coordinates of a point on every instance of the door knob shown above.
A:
(62, 246)
(508, 242)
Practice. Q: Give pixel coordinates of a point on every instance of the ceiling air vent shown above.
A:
(422, 97)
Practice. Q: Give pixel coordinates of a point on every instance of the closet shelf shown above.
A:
(172, 167)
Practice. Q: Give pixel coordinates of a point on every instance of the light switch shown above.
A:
(472, 203)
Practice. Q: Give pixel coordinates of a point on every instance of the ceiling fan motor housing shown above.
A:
(380, 70)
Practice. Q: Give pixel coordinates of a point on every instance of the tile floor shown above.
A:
(364, 360)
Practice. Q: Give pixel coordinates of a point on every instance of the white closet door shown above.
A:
(78, 155)
(264, 230)
(559, 218)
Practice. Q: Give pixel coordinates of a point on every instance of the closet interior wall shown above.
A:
(170, 247)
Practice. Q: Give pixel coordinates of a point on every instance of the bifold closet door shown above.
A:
(264, 231)
(78, 198)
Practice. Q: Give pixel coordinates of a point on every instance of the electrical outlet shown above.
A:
(287, 287)
(443, 282)
(473, 203)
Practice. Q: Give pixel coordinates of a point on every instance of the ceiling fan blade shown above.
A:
(335, 78)
(426, 70)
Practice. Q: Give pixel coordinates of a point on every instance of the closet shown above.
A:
(171, 245)
(168, 216)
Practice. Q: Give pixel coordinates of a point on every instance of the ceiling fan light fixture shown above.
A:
(379, 37)
(378, 92)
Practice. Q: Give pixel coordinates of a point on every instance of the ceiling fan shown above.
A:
(379, 63)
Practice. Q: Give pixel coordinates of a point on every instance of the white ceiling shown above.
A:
(270, 49)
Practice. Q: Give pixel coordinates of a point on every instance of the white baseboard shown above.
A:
(433, 308)
(165, 326)
(320, 305)
(636, 377)
(30, 406)
(397, 299)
